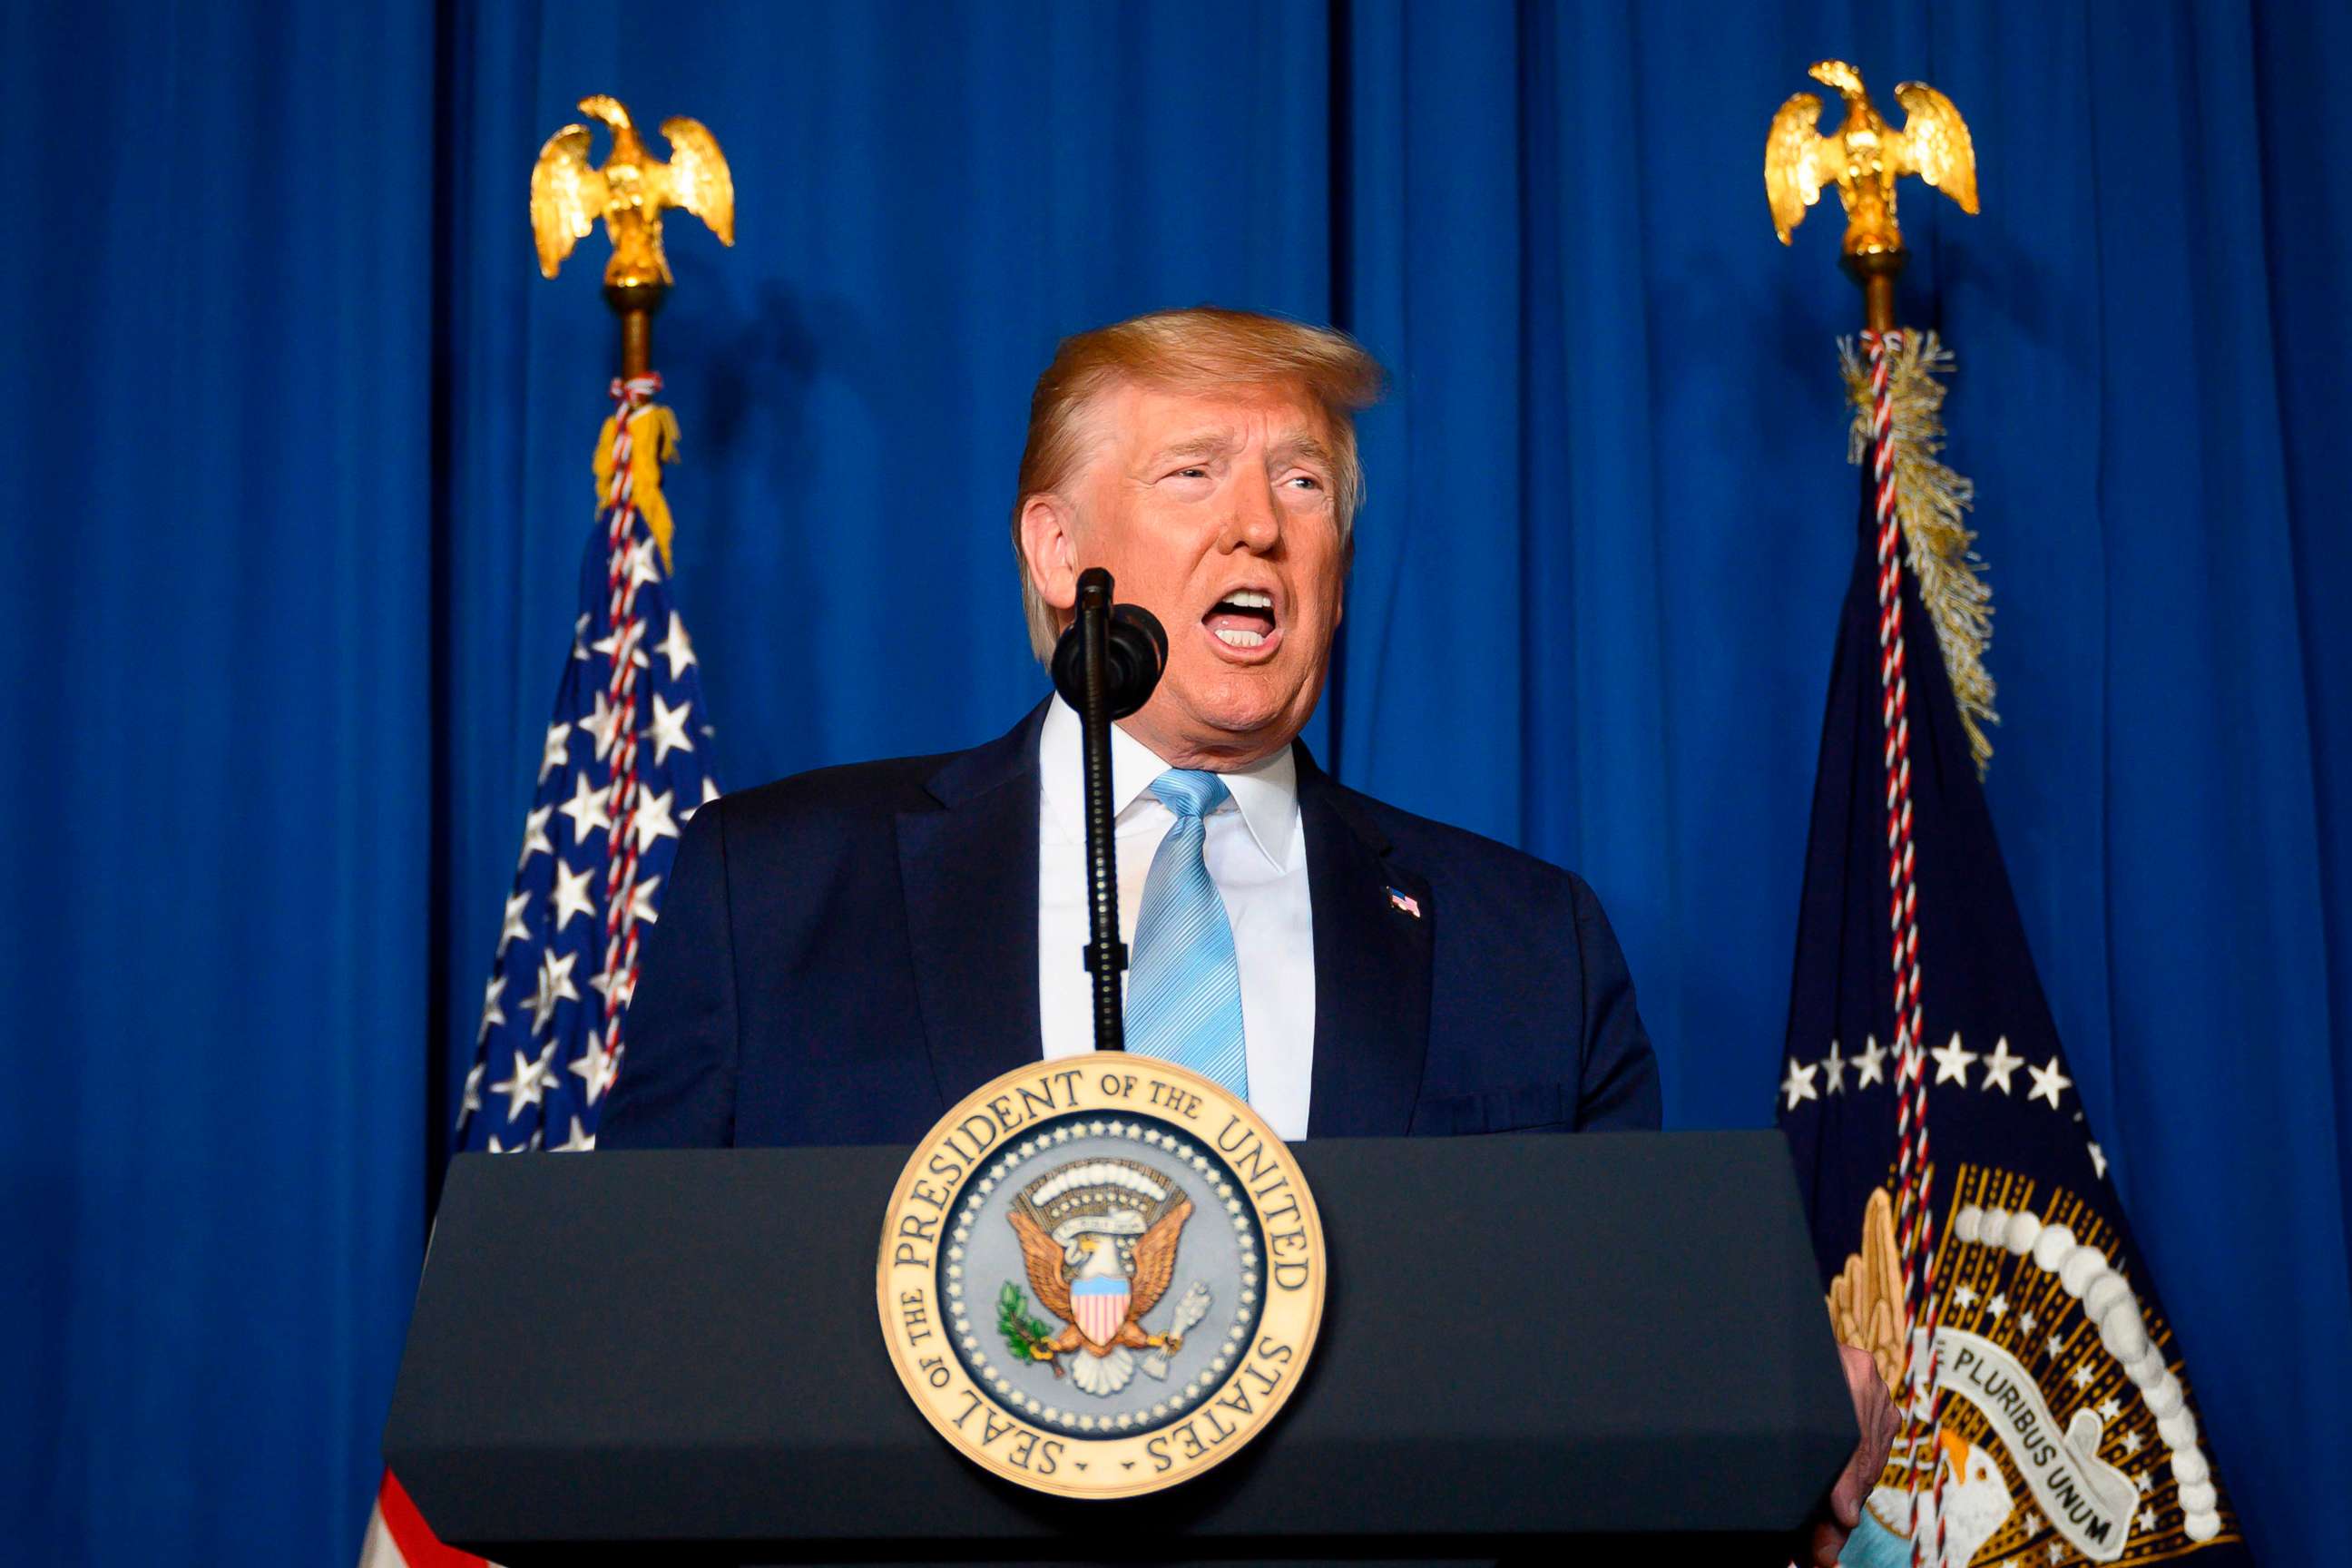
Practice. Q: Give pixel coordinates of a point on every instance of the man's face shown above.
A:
(1218, 513)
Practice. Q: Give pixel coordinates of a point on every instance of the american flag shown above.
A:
(626, 760)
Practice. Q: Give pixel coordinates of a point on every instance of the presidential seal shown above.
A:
(2066, 1437)
(1100, 1276)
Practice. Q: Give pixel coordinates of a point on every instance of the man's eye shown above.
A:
(1309, 480)
(1192, 473)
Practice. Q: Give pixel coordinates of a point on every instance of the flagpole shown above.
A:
(1876, 271)
(628, 194)
(1865, 157)
(637, 814)
(634, 303)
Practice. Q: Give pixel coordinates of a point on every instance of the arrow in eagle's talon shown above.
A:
(1190, 1310)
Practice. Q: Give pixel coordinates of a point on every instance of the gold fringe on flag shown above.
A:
(653, 441)
(1931, 502)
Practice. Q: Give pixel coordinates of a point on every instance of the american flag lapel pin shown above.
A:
(1397, 900)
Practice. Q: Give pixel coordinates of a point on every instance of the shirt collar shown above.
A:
(1265, 793)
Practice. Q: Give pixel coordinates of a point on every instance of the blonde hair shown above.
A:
(1187, 351)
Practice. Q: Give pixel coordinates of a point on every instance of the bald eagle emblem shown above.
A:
(1098, 1241)
(1865, 157)
(630, 193)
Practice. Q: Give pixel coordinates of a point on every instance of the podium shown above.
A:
(1597, 1344)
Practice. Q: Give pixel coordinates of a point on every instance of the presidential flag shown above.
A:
(626, 758)
(1967, 1233)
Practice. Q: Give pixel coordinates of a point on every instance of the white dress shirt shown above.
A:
(1256, 855)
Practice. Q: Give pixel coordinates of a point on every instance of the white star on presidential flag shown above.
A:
(1952, 1061)
(675, 648)
(654, 819)
(558, 752)
(571, 896)
(585, 808)
(471, 1100)
(668, 731)
(534, 835)
(2049, 1083)
(1799, 1084)
(2099, 1161)
(2001, 1067)
(492, 1014)
(517, 925)
(1870, 1067)
(579, 1143)
(1833, 1071)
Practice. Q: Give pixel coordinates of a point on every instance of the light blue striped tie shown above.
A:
(1184, 991)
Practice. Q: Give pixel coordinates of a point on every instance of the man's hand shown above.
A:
(1874, 1417)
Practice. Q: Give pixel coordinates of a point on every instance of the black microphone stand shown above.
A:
(1106, 667)
(1105, 955)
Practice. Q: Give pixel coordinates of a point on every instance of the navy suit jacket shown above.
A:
(843, 955)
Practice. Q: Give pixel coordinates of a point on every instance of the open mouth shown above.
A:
(1243, 621)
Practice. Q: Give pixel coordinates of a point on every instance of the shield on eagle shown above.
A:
(1101, 1307)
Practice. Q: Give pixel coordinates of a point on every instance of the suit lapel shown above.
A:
(970, 872)
(1371, 969)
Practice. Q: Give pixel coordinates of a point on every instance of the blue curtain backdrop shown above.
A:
(219, 634)
(300, 476)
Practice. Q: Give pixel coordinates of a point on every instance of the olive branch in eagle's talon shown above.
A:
(1024, 1336)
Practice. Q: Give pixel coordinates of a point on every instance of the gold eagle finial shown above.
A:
(1865, 157)
(629, 193)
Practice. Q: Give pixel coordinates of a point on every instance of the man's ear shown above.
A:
(1050, 546)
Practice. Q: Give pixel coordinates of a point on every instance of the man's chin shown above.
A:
(1239, 714)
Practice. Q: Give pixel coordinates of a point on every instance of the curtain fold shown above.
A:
(289, 609)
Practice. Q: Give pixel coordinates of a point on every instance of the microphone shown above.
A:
(1135, 650)
(1105, 666)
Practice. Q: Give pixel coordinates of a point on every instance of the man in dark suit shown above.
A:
(844, 955)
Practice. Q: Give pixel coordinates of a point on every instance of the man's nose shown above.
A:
(1255, 522)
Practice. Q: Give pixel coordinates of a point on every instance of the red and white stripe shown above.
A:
(1100, 1314)
(398, 1537)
